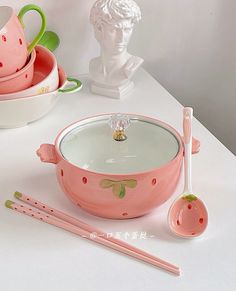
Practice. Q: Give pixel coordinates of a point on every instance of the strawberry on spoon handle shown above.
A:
(188, 215)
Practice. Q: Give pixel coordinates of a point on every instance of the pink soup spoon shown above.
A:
(188, 215)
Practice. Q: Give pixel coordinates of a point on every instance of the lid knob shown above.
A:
(119, 123)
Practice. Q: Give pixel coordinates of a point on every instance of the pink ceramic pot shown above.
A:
(14, 49)
(117, 179)
(45, 77)
(20, 80)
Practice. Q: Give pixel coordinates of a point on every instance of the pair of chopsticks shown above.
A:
(62, 220)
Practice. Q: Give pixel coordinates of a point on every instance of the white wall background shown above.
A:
(189, 46)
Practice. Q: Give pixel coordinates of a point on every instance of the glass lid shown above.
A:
(118, 144)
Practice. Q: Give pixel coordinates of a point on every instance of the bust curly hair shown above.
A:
(111, 11)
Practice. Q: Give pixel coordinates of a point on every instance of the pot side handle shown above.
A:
(195, 145)
(47, 153)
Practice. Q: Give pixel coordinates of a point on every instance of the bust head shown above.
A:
(113, 22)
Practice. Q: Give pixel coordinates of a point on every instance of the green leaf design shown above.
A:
(190, 197)
(122, 191)
(130, 183)
(116, 189)
(106, 183)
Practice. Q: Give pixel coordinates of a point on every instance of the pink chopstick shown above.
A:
(65, 217)
(74, 229)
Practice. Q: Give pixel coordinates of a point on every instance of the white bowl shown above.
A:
(21, 111)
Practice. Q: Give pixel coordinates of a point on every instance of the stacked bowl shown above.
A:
(30, 78)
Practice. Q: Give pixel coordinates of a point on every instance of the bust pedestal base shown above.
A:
(112, 92)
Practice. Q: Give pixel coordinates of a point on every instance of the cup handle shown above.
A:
(21, 14)
(78, 85)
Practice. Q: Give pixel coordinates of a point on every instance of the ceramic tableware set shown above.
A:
(134, 168)
(30, 78)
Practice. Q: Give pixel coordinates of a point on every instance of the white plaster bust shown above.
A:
(113, 22)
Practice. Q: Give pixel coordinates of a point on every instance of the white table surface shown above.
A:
(37, 256)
